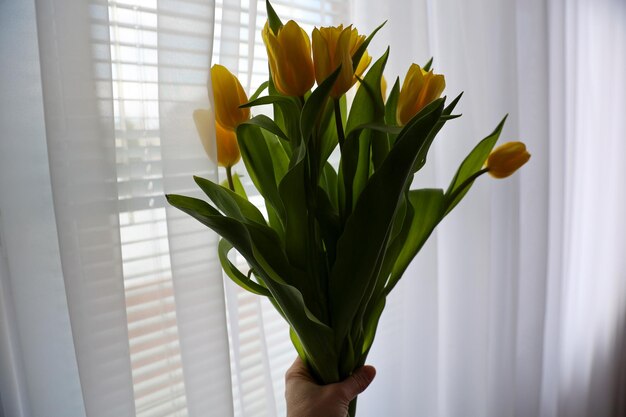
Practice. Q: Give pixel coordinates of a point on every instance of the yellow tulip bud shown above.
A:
(226, 140)
(334, 46)
(506, 159)
(418, 90)
(229, 95)
(289, 55)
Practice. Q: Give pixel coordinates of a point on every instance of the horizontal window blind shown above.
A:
(159, 65)
(152, 330)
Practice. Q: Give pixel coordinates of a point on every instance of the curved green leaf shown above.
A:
(356, 58)
(239, 189)
(367, 110)
(235, 274)
(271, 99)
(428, 210)
(259, 90)
(328, 181)
(293, 196)
(230, 203)
(259, 246)
(428, 65)
(392, 105)
(279, 156)
(272, 17)
(368, 106)
(268, 124)
(315, 104)
(472, 163)
(421, 161)
(259, 164)
(371, 324)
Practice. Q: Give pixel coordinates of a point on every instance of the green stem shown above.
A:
(339, 123)
(464, 185)
(229, 175)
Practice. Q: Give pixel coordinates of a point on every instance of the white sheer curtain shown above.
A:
(516, 307)
(112, 303)
(109, 92)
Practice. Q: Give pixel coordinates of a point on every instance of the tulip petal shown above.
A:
(418, 90)
(334, 46)
(321, 56)
(227, 148)
(228, 95)
(289, 54)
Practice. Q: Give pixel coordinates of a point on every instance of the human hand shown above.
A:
(305, 398)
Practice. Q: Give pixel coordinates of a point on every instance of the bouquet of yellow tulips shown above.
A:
(334, 240)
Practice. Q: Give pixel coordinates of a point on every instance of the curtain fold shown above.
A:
(37, 350)
(78, 108)
(196, 272)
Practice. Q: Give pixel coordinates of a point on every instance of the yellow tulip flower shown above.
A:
(225, 139)
(506, 159)
(289, 55)
(334, 46)
(418, 90)
(229, 95)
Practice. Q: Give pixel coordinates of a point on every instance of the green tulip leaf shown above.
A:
(368, 105)
(328, 181)
(329, 223)
(259, 246)
(472, 164)
(392, 105)
(328, 130)
(259, 90)
(268, 124)
(259, 164)
(428, 65)
(361, 247)
(239, 189)
(293, 196)
(279, 156)
(271, 99)
(428, 210)
(421, 161)
(297, 344)
(286, 115)
(317, 339)
(223, 248)
(356, 58)
(315, 104)
(230, 203)
(272, 17)
(367, 109)
(370, 327)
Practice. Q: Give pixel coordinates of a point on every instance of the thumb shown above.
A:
(357, 382)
